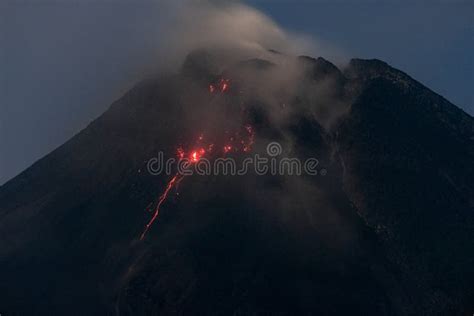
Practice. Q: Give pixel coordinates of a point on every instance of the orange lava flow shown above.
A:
(174, 181)
(194, 157)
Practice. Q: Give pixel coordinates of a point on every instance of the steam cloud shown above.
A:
(230, 26)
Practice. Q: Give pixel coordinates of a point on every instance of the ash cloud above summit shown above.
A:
(237, 39)
(236, 29)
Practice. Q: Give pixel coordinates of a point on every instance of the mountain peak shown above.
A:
(320, 68)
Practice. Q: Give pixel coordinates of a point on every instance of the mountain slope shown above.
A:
(408, 170)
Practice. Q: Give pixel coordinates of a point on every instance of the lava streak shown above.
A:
(193, 157)
(241, 141)
(173, 182)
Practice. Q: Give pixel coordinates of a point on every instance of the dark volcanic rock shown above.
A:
(407, 156)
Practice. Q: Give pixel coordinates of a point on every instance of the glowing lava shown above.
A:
(222, 85)
(174, 181)
(241, 140)
(196, 155)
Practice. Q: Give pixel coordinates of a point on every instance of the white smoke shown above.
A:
(231, 26)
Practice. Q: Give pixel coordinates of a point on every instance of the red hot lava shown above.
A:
(176, 179)
(240, 141)
(222, 85)
(196, 155)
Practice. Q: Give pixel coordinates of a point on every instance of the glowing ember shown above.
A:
(222, 85)
(251, 137)
(196, 155)
(180, 153)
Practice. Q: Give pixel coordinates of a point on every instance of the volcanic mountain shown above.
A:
(385, 226)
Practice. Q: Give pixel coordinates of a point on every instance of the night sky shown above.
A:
(62, 63)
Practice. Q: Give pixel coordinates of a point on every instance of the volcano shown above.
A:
(384, 227)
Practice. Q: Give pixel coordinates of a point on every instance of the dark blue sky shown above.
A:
(63, 62)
